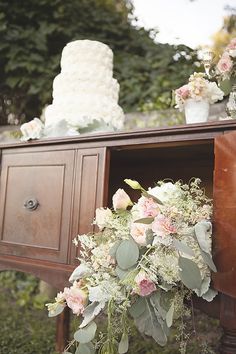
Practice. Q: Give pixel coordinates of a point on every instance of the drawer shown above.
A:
(35, 204)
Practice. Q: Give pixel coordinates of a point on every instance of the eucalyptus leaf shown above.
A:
(225, 86)
(85, 348)
(113, 249)
(90, 312)
(144, 221)
(202, 230)
(57, 310)
(189, 273)
(124, 344)
(138, 307)
(170, 315)
(127, 254)
(183, 248)
(209, 261)
(122, 274)
(86, 334)
(147, 195)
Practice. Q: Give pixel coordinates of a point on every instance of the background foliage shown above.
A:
(34, 32)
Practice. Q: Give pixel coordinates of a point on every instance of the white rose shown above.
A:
(165, 192)
(32, 130)
(102, 217)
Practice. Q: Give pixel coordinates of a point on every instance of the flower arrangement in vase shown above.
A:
(144, 261)
(224, 72)
(195, 98)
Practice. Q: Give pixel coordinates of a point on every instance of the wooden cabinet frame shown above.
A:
(95, 166)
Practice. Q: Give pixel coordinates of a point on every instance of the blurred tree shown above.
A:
(228, 31)
(33, 33)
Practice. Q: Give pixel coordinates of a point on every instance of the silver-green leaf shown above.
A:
(144, 221)
(87, 348)
(170, 315)
(209, 261)
(183, 248)
(138, 307)
(90, 312)
(86, 334)
(124, 344)
(57, 310)
(189, 273)
(127, 254)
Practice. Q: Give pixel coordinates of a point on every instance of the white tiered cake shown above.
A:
(85, 94)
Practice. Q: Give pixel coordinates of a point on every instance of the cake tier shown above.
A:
(86, 52)
(83, 111)
(65, 85)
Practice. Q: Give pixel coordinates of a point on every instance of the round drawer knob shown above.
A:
(31, 204)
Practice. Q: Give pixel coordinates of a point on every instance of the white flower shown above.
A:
(165, 192)
(121, 200)
(32, 130)
(214, 93)
(102, 218)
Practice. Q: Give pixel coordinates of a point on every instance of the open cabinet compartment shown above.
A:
(174, 162)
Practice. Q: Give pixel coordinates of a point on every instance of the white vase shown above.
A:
(196, 111)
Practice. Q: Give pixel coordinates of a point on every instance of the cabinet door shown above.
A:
(91, 190)
(224, 194)
(35, 204)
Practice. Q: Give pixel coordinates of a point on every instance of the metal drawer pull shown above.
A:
(31, 204)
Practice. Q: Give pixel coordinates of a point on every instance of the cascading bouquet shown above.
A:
(144, 261)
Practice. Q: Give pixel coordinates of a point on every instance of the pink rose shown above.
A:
(121, 200)
(183, 92)
(147, 207)
(76, 298)
(162, 226)
(145, 285)
(225, 64)
(232, 44)
(138, 232)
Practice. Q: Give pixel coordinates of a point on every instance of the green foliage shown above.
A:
(23, 329)
(34, 32)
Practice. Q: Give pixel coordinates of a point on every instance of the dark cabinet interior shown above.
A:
(174, 162)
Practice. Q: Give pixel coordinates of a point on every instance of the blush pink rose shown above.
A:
(162, 226)
(76, 298)
(121, 200)
(225, 64)
(138, 232)
(144, 285)
(232, 44)
(147, 207)
(183, 92)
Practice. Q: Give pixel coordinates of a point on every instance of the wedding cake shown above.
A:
(85, 94)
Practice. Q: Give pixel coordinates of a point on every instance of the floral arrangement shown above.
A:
(198, 88)
(226, 66)
(142, 263)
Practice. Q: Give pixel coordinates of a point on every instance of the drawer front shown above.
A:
(35, 204)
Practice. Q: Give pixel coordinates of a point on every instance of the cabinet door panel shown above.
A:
(91, 189)
(35, 204)
(224, 193)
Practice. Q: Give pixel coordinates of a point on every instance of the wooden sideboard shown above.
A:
(50, 188)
